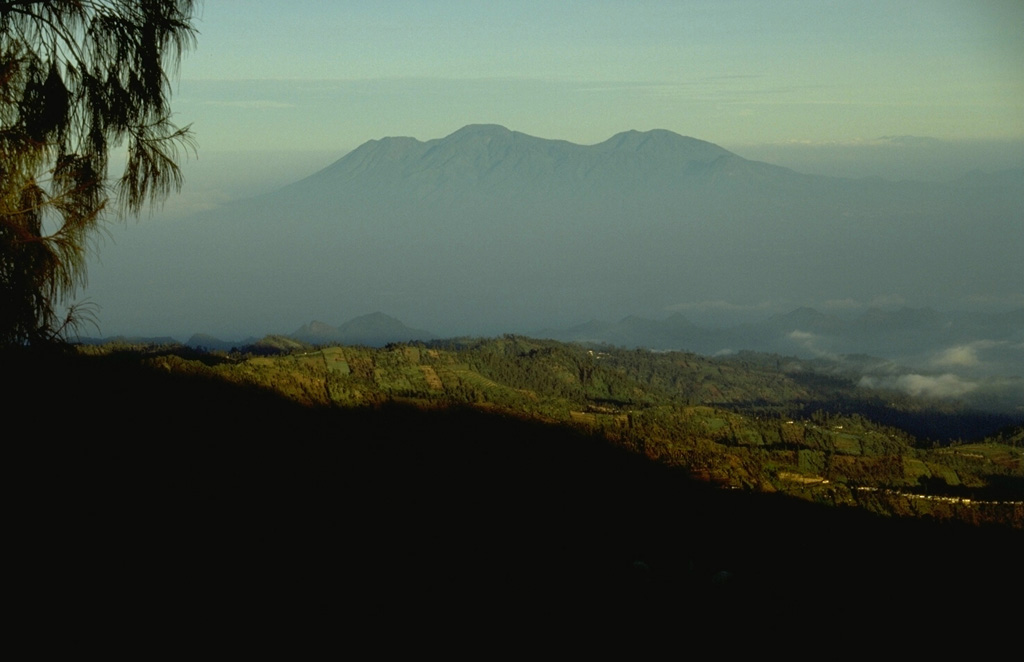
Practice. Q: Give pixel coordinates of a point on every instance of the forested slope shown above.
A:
(751, 422)
(361, 491)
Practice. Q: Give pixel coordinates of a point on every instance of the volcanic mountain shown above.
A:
(490, 230)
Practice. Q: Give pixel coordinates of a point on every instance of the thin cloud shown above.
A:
(883, 141)
(888, 300)
(963, 356)
(943, 386)
(809, 342)
(971, 354)
(254, 104)
(842, 304)
(802, 336)
(720, 305)
(1013, 300)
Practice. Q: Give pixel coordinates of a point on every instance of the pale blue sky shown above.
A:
(278, 90)
(315, 75)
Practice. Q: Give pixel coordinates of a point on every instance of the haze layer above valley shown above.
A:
(489, 230)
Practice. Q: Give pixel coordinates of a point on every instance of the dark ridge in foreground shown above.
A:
(174, 498)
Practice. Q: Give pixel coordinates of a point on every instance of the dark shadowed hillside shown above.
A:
(168, 493)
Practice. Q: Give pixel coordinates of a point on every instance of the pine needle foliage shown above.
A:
(79, 80)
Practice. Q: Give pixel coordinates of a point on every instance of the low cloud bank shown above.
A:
(1003, 394)
(946, 385)
(811, 342)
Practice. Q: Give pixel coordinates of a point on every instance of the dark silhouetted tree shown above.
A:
(79, 80)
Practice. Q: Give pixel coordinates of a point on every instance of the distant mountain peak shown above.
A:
(639, 137)
(488, 135)
(493, 152)
(662, 139)
(482, 130)
(315, 329)
(374, 329)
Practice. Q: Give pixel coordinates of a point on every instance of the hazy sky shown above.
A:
(314, 75)
(794, 82)
(899, 88)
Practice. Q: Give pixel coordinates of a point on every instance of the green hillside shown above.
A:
(750, 422)
(483, 484)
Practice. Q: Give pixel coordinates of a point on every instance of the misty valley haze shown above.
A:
(489, 231)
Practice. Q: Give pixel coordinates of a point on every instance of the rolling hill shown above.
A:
(475, 481)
